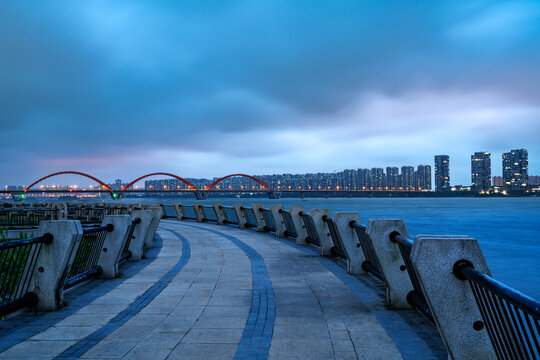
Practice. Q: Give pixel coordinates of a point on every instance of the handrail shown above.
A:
(336, 237)
(108, 228)
(371, 264)
(43, 239)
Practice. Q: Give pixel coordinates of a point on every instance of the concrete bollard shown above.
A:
(199, 212)
(159, 204)
(136, 245)
(179, 211)
(301, 232)
(355, 255)
(62, 211)
(392, 266)
(54, 261)
(239, 210)
(275, 210)
(113, 244)
(259, 217)
(156, 217)
(450, 299)
(322, 230)
(220, 213)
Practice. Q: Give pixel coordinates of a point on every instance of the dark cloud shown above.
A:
(84, 81)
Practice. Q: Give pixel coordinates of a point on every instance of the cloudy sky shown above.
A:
(207, 88)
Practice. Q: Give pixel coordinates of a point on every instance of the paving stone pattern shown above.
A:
(241, 294)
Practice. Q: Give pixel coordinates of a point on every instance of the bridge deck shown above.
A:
(219, 292)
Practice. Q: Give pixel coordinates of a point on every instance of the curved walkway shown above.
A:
(221, 293)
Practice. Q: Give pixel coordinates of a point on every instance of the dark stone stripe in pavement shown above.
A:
(26, 324)
(115, 323)
(257, 335)
(410, 344)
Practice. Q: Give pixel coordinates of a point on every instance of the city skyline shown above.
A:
(199, 89)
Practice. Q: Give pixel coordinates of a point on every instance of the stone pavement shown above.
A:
(218, 292)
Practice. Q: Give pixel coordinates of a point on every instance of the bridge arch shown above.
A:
(161, 173)
(69, 172)
(259, 181)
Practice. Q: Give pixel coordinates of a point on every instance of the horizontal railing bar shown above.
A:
(337, 252)
(357, 225)
(417, 300)
(45, 238)
(398, 238)
(108, 228)
(311, 240)
(28, 300)
(464, 270)
(368, 267)
(79, 278)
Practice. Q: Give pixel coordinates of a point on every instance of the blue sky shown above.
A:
(207, 88)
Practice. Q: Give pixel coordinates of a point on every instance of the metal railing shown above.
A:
(169, 212)
(338, 249)
(268, 220)
(209, 213)
(415, 297)
(189, 213)
(126, 253)
(18, 261)
(313, 236)
(230, 215)
(290, 230)
(84, 265)
(26, 218)
(511, 318)
(251, 222)
(371, 264)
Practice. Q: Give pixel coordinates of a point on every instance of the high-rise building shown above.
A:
(363, 179)
(497, 181)
(392, 178)
(378, 181)
(407, 178)
(442, 173)
(515, 169)
(481, 171)
(349, 180)
(423, 177)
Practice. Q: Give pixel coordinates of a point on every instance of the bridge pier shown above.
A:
(274, 195)
(201, 195)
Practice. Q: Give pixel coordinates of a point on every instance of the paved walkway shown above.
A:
(217, 292)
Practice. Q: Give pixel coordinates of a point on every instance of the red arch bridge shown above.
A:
(200, 194)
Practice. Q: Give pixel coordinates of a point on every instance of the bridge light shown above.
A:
(114, 195)
(23, 196)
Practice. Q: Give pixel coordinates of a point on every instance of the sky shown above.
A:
(208, 88)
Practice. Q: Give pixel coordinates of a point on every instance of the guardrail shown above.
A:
(18, 261)
(485, 320)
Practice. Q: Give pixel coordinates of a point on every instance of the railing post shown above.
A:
(322, 229)
(136, 245)
(197, 207)
(179, 209)
(157, 213)
(54, 261)
(301, 233)
(450, 299)
(62, 211)
(113, 244)
(278, 220)
(220, 213)
(238, 209)
(398, 283)
(259, 217)
(355, 255)
(160, 205)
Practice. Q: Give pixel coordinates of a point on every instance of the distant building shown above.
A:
(423, 177)
(407, 178)
(392, 178)
(515, 169)
(442, 173)
(350, 180)
(363, 180)
(498, 181)
(481, 171)
(534, 180)
(378, 179)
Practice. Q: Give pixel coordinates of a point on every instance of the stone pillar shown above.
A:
(179, 210)
(62, 211)
(259, 217)
(278, 220)
(450, 299)
(159, 204)
(239, 210)
(199, 212)
(355, 255)
(54, 261)
(398, 283)
(139, 234)
(220, 213)
(301, 233)
(322, 230)
(156, 217)
(113, 244)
